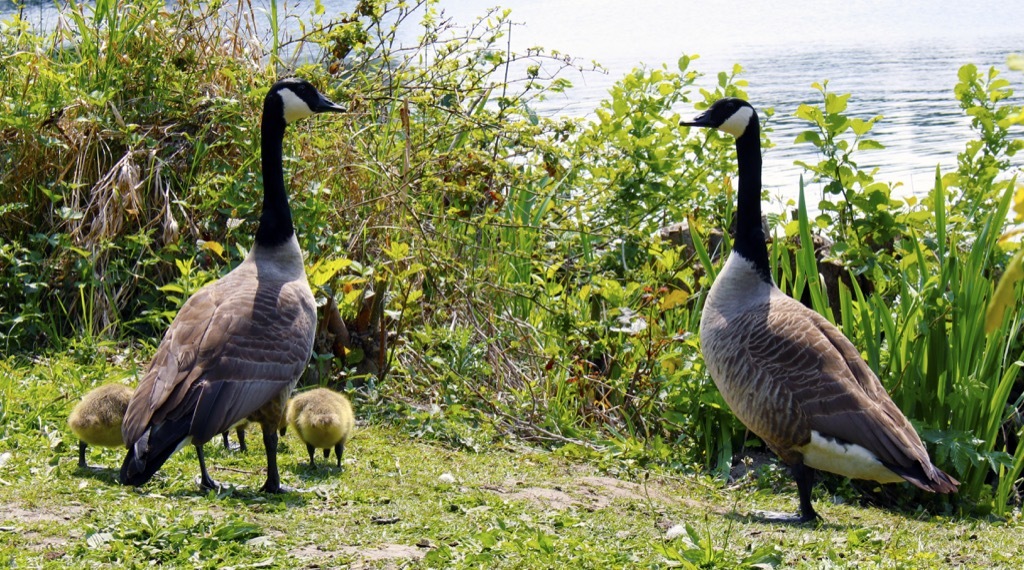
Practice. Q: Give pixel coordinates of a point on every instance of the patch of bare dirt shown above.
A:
(12, 514)
(398, 553)
(550, 498)
(601, 491)
(591, 492)
(37, 541)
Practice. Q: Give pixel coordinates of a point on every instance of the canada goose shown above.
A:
(323, 419)
(787, 373)
(238, 345)
(96, 420)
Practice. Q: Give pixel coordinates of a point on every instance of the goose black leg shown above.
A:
(205, 481)
(273, 484)
(338, 450)
(241, 439)
(312, 455)
(804, 476)
(240, 432)
(81, 454)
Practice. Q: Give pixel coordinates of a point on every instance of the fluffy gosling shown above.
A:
(240, 429)
(240, 432)
(96, 420)
(323, 419)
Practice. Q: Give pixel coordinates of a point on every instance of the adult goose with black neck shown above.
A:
(786, 372)
(238, 345)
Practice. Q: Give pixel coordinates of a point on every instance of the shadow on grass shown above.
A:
(766, 518)
(105, 475)
(318, 474)
(249, 495)
(776, 519)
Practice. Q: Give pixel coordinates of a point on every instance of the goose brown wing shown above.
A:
(233, 346)
(830, 388)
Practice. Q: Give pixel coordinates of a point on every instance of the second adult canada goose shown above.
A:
(323, 419)
(97, 419)
(787, 373)
(238, 345)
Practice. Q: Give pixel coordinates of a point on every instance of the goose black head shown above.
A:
(729, 115)
(298, 98)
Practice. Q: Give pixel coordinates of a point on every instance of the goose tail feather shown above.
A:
(928, 477)
(147, 454)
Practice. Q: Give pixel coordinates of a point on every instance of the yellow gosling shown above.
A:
(240, 432)
(96, 420)
(323, 419)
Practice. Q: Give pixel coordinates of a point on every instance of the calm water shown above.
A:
(898, 59)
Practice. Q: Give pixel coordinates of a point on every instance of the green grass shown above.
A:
(510, 505)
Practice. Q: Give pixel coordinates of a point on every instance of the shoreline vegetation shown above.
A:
(495, 296)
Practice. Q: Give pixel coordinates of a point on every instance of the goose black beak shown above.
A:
(325, 105)
(702, 120)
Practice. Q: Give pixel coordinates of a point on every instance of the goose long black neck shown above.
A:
(750, 238)
(276, 220)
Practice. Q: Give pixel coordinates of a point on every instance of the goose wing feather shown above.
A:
(810, 368)
(233, 346)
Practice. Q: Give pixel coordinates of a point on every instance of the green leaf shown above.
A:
(836, 103)
(860, 127)
(1005, 296)
(809, 113)
(683, 63)
(868, 144)
(674, 299)
(967, 73)
(98, 539)
(325, 270)
(414, 296)
(213, 246)
(1015, 61)
(236, 530)
(808, 136)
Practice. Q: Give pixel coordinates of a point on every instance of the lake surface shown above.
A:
(898, 59)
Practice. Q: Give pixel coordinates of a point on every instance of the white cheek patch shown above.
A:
(736, 124)
(294, 107)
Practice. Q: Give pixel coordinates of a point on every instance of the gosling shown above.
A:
(240, 432)
(96, 420)
(323, 419)
(240, 428)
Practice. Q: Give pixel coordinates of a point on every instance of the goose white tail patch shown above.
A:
(848, 459)
(737, 124)
(295, 107)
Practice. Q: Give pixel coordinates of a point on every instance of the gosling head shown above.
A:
(298, 99)
(729, 115)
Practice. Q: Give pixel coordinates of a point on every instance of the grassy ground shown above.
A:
(406, 502)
